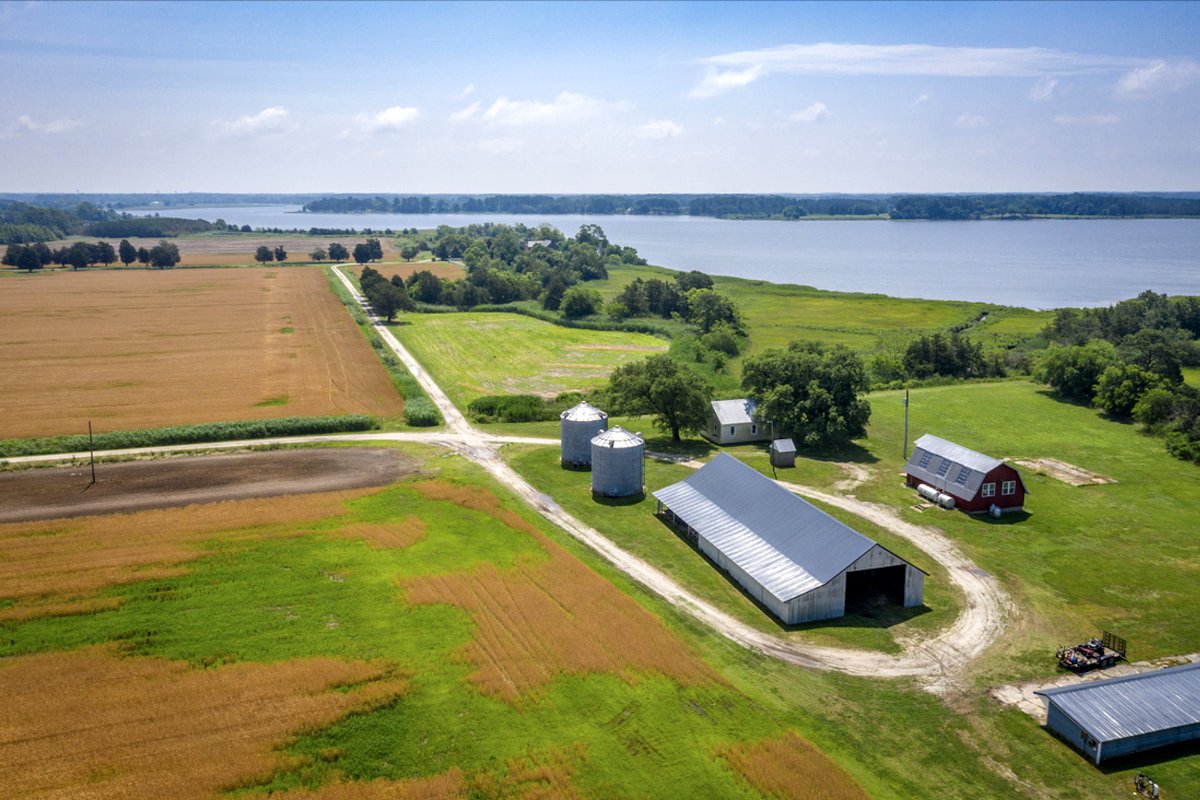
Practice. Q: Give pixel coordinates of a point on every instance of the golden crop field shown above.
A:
(151, 727)
(144, 349)
(57, 567)
(542, 619)
(788, 766)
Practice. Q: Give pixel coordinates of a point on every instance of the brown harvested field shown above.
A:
(441, 269)
(545, 618)
(57, 567)
(143, 349)
(450, 785)
(89, 724)
(126, 486)
(788, 766)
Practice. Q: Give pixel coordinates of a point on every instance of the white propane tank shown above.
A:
(934, 496)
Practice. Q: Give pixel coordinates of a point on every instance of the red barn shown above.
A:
(975, 481)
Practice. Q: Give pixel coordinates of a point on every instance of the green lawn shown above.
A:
(634, 527)
(1120, 556)
(474, 354)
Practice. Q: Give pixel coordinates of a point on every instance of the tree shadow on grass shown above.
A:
(686, 449)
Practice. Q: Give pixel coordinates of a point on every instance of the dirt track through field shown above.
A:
(937, 661)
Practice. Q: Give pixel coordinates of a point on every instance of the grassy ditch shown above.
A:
(419, 410)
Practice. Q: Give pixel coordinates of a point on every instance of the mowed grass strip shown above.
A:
(88, 723)
(56, 568)
(541, 619)
(145, 349)
(788, 766)
(475, 354)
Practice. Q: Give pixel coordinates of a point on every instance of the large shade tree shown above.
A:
(677, 397)
(810, 390)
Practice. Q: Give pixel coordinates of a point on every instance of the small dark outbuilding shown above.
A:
(1117, 717)
(783, 453)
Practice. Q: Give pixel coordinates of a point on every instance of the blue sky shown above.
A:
(599, 97)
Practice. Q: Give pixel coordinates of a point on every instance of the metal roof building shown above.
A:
(1120, 716)
(734, 422)
(974, 480)
(792, 557)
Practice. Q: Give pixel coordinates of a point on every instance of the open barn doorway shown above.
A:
(867, 590)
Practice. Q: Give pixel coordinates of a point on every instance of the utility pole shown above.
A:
(92, 452)
(906, 424)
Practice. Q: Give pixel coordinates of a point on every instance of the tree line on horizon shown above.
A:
(766, 206)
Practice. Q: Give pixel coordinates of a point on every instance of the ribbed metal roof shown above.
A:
(949, 466)
(583, 412)
(784, 542)
(783, 446)
(1138, 704)
(734, 412)
(617, 437)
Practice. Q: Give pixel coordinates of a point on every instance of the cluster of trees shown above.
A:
(508, 264)
(386, 297)
(26, 223)
(984, 206)
(80, 255)
(812, 391)
(1128, 360)
(265, 255)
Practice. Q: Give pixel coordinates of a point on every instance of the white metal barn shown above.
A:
(795, 559)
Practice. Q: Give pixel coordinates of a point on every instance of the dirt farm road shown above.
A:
(936, 661)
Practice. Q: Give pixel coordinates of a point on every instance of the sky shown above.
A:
(615, 97)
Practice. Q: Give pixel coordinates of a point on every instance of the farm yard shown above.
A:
(477, 353)
(141, 349)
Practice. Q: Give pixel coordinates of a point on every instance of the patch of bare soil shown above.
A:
(165, 483)
(1062, 471)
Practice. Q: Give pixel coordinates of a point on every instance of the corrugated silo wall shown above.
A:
(577, 440)
(617, 471)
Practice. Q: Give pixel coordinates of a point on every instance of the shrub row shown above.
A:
(187, 434)
(520, 407)
(420, 412)
(630, 326)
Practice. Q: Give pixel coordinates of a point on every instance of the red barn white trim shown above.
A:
(975, 481)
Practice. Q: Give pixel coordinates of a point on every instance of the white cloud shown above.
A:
(52, 127)
(269, 120)
(497, 146)
(1087, 119)
(466, 92)
(972, 121)
(1044, 88)
(465, 113)
(567, 107)
(923, 97)
(734, 70)
(717, 81)
(660, 129)
(1159, 76)
(389, 120)
(811, 114)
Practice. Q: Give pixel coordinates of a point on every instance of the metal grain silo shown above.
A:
(579, 424)
(618, 468)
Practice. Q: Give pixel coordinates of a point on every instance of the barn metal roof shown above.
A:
(617, 437)
(1138, 704)
(783, 446)
(782, 541)
(734, 412)
(583, 412)
(950, 467)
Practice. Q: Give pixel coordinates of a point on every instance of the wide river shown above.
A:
(1033, 263)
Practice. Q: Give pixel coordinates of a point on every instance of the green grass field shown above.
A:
(475, 354)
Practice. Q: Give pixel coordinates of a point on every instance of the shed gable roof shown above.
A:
(782, 541)
(1118, 708)
(734, 412)
(951, 467)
